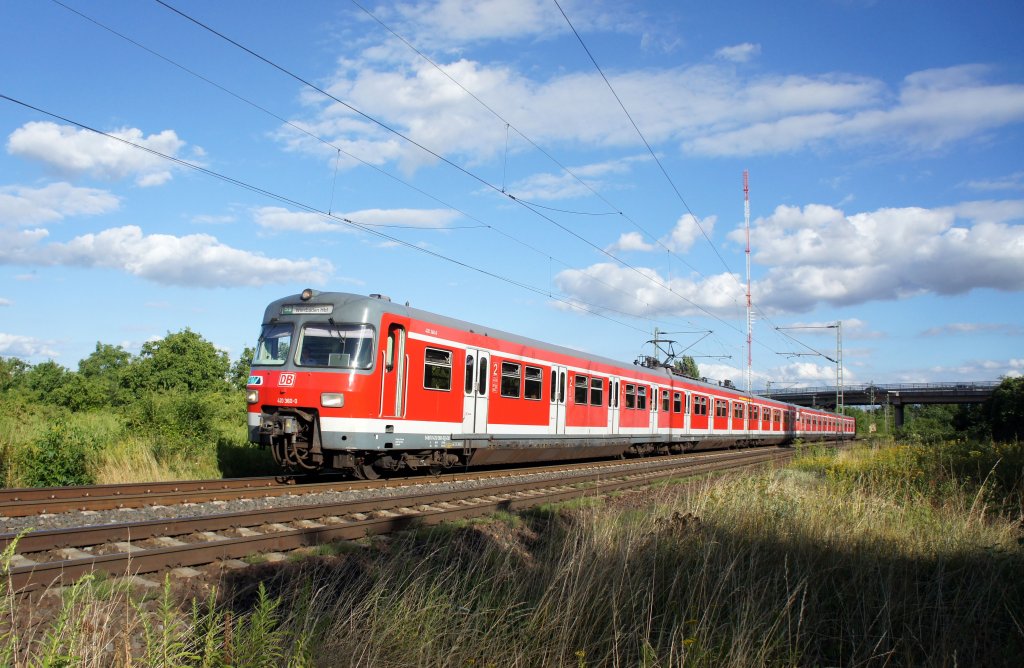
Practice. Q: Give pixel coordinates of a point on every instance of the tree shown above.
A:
(12, 372)
(44, 378)
(180, 361)
(687, 366)
(238, 376)
(105, 376)
(1006, 410)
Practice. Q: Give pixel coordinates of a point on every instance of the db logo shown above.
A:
(286, 380)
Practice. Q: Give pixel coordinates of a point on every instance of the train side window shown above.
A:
(469, 373)
(700, 405)
(630, 395)
(534, 382)
(755, 412)
(776, 416)
(641, 397)
(721, 408)
(677, 402)
(664, 400)
(580, 389)
(596, 392)
(737, 410)
(510, 379)
(437, 369)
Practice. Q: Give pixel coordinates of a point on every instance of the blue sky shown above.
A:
(482, 167)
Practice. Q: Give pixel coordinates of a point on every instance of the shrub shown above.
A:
(62, 456)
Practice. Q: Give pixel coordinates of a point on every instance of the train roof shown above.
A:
(370, 308)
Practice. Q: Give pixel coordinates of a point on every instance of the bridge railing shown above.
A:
(883, 388)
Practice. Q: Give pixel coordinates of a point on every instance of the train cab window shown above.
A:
(274, 344)
(641, 397)
(721, 408)
(596, 392)
(437, 369)
(580, 385)
(534, 382)
(336, 345)
(677, 402)
(664, 400)
(510, 379)
(630, 396)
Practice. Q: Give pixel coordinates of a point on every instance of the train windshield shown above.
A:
(336, 345)
(274, 344)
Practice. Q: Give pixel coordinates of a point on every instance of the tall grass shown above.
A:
(162, 437)
(827, 563)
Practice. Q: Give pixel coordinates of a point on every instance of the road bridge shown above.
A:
(896, 395)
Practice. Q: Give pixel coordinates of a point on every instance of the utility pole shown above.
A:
(746, 224)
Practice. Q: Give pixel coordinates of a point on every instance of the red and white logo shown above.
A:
(286, 379)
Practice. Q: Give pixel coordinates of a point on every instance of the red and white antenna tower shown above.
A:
(746, 223)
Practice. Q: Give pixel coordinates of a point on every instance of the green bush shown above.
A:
(61, 457)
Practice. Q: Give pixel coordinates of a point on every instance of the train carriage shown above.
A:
(361, 384)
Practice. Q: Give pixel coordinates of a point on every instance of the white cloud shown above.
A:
(1014, 181)
(704, 109)
(70, 150)
(819, 254)
(584, 180)
(630, 241)
(739, 53)
(643, 292)
(932, 109)
(17, 345)
(971, 328)
(279, 219)
(5, 302)
(463, 21)
(686, 230)
(196, 260)
(22, 206)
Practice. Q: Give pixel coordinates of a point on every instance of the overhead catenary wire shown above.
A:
(365, 163)
(441, 158)
(572, 303)
(508, 124)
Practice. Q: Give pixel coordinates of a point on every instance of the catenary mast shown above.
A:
(746, 223)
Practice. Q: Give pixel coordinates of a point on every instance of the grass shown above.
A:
(168, 437)
(848, 559)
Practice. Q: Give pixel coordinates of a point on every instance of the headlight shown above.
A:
(332, 400)
(252, 396)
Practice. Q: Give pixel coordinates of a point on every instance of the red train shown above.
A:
(361, 384)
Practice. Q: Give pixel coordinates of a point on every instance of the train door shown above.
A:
(613, 405)
(556, 416)
(396, 362)
(474, 412)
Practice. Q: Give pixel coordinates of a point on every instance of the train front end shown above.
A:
(313, 370)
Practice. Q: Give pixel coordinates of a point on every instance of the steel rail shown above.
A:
(25, 502)
(392, 513)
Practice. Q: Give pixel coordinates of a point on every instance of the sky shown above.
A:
(570, 171)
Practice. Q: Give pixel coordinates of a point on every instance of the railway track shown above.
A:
(32, 501)
(51, 557)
